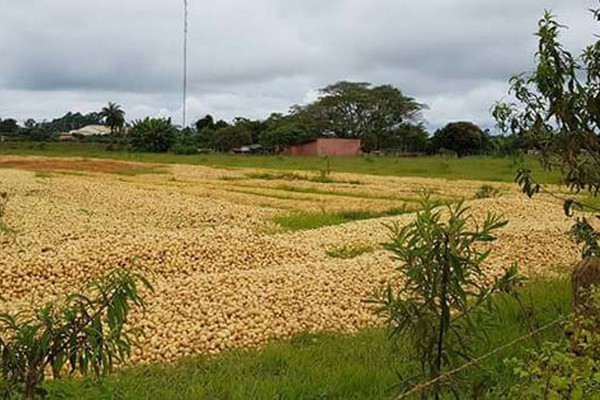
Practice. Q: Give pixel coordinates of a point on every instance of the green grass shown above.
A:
(43, 174)
(350, 251)
(325, 366)
(269, 176)
(474, 168)
(358, 195)
(282, 196)
(4, 228)
(286, 189)
(291, 176)
(140, 171)
(486, 192)
(301, 221)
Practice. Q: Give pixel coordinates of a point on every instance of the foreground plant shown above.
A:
(568, 369)
(442, 285)
(86, 334)
(557, 110)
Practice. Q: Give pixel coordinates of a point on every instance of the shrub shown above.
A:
(3, 201)
(85, 334)
(350, 251)
(486, 192)
(155, 135)
(569, 369)
(461, 137)
(232, 137)
(441, 285)
(186, 143)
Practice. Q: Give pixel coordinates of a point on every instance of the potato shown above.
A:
(223, 277)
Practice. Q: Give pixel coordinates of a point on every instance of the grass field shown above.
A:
(475, 168)
(326, 366)
(252, 252)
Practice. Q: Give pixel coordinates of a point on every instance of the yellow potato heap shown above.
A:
(222, 280)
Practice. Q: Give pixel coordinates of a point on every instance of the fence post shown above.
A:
(585, 275)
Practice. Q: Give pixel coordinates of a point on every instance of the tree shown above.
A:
(283, 130)
(461, 137)
(38, 134)
(359, 110)
(155, 135)
(187, 142)
(87, 333)
(70, 121)
(114, 117)
(406, 138)
(441, 285)
(206, 122)
(255, 127)
(9, 126)
(30, 123)
(220, 124)
(206, 138)
(233, 137)
(557, 108)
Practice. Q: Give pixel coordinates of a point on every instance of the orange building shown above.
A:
(330, 147)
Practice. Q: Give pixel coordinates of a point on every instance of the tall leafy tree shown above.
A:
(155, 135)
(205, 122)
(557, 106)
(232, 137)
(68, 122)
(114, 117)
(461, 137)
(283, 130)
(9, 126)
(360, 110)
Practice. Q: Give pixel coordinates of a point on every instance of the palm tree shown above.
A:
(114, 117)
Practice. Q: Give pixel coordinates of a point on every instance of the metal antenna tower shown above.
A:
(185, 41)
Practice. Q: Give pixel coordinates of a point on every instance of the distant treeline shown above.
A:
(384, 118)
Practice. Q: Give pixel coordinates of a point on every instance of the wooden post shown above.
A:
(585, 275)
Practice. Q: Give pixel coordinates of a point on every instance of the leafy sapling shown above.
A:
(85, 334)
(442, 291)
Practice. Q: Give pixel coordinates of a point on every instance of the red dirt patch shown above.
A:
(99, 166)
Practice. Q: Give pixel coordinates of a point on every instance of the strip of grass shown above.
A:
(474, 168)
(282, 196)
(140, 171)
(291, 176)
(358, 195)
(250, 189)
(326, 366)
(42, 174)
(305, 221)
(350, 251)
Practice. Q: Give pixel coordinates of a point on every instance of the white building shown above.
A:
(91, 130)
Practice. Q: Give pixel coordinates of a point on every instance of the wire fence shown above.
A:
(436, 381)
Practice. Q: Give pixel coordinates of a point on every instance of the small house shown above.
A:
(91, 130)
(325, 147)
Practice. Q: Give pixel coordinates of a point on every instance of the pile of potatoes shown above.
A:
(223, 277)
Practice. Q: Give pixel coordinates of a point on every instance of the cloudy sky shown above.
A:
(254, 57)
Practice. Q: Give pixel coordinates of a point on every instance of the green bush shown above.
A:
(156, 135)
(568, 369)
(186, 143)
(486, 192)
(232, 137)
(350, 251)
(85, 333)
(441, 303)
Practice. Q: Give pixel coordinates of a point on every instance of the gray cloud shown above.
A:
(252, 58)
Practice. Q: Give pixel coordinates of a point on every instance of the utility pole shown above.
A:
(185, 40)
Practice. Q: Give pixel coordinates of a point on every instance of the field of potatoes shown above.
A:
(226, 276)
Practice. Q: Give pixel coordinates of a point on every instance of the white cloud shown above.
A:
(252, 58)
